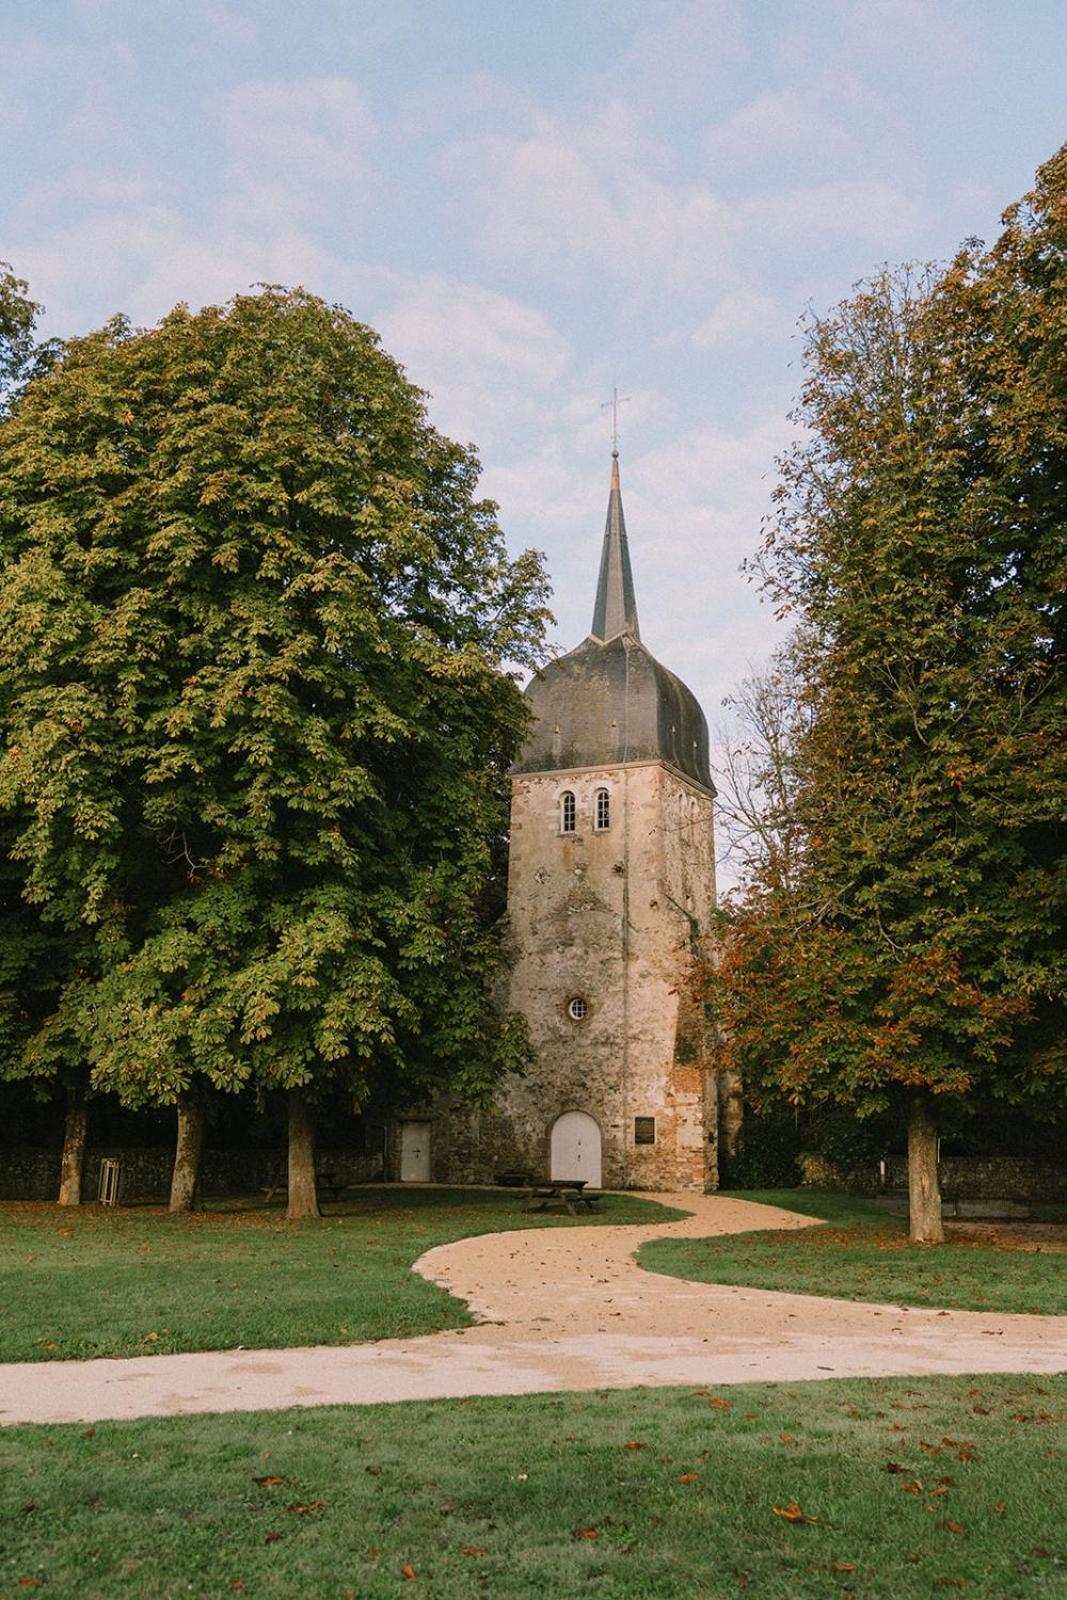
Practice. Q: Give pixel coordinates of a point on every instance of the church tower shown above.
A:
(611, 884)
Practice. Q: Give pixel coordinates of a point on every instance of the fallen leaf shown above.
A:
(895, 1466)
(952, 1527)
(787, 1438)
(472, 1550)
(793, 1513)
(723, 1405)
(274, 1538)
(31, 1505)
(150, 1338)
(407, 1572)
(89, 1432)
(265, 1483)
(914, 1487)
(375, 1472)
(843, 1566)
(304, 1510)
(688, 1477)
(585, 1533)
(999, 1507)
(632, 1444)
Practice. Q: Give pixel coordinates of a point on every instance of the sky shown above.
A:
(533, 201)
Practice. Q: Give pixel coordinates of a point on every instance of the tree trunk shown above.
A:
(731, 1112)
(73, 1159)
(924, 1191)
(303, 1197)
(185, 1179)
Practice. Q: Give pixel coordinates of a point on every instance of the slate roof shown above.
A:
(610, 700)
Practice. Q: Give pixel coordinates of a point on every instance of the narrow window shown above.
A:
(644, 1130)
(603, 810)
(567, 812)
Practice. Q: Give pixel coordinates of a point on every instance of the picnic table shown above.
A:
(569, 1192)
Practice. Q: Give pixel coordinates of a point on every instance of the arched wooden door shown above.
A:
(576, 1148)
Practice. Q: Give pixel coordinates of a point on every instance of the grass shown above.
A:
(906, 1488)
(865, 1255)
(97, 1282)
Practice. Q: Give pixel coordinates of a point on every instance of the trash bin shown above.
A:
(110, 1175)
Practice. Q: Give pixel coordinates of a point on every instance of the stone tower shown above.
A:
(611, 882)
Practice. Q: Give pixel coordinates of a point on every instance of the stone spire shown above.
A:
(615, 611)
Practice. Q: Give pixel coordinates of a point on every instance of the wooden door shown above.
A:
(576, 1148)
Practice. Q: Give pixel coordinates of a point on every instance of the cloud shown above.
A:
(483, 357)
(737, 315)
(570, 197)
(293, 145)
(870, 210)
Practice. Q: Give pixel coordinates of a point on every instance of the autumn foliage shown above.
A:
(916, 950)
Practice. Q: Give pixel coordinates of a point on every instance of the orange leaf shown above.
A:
(843, 1566)
(407, 1572)
(585, 1533)
(793, 1513)
(632, 1444)
(302, 1509)
(688, 1477)
(472, 1550)
(952, 1527)
(265, 1482)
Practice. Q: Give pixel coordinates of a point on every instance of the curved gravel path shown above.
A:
(560, 1309)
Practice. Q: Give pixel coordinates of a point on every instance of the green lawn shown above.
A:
(914, 1488)
(865, 1255)
(94, 1282)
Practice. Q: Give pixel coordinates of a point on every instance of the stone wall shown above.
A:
(962, 1177)
(33, 1173)
(606, 916)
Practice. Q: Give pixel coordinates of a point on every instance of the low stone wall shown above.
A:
(965, 1178)
(33, 1173)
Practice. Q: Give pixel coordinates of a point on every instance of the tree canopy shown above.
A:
(917, 949)
(258, 708)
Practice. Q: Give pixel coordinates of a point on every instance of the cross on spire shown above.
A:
(615, 402)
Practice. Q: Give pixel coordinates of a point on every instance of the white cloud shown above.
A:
(293, 145)
(570, 198)
(866, 209)
(737, 315)
(484, 358)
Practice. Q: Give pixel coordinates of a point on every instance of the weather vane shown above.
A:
(615, 402)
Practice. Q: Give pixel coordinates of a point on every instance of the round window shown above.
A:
(577, 1008)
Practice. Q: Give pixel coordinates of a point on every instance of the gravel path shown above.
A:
(560, 1309)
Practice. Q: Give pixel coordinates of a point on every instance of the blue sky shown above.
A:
(530, 201)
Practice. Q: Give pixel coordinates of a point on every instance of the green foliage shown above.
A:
(767, 1152)
(257, 712)
(18, 318)
(913, 1488)
(920, 541)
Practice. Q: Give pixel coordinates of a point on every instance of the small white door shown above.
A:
(414, 1152)
(576, 1148)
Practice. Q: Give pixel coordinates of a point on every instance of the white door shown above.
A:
(576, 1148)
(414, 1152)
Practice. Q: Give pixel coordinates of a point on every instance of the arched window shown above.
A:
(603, 810)
(568, 812)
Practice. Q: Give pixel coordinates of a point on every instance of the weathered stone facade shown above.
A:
(611, 884)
